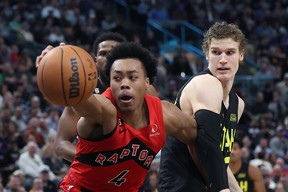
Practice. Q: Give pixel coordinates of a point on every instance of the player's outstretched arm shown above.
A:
(179, 124)
(97, 112)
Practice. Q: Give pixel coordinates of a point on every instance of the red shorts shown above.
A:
(67, 186)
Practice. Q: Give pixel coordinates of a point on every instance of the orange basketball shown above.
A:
(67, 75)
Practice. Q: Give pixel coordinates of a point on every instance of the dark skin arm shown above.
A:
(66, 134)
(178, 123)
(257, 178)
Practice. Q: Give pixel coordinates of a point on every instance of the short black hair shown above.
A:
(133, 50)
(107, 36)
(239, 141)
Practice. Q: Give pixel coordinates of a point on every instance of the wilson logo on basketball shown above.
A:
(74, 90)
(154, 130)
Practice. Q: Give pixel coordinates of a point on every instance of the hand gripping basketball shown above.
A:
(67, 75)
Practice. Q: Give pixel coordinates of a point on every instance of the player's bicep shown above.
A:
(67, 125)
(206, 92)
(177, 123)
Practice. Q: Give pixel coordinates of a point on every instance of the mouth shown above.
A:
(126, 99)
(223, 69)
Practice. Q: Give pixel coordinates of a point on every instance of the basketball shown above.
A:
(67, 75)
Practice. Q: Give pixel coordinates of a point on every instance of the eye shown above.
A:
(230, 52)
(215, 52)
(103, 53)
(116, 78)
(133, 78)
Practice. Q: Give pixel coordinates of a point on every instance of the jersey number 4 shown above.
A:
(119, 179)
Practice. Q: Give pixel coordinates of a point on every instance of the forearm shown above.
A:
(66, 150)
(88, 108)
(210, 155)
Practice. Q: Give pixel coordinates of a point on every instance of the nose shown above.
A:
(125, 84)
(223, 59)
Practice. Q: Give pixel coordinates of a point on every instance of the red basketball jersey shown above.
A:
(121, 161)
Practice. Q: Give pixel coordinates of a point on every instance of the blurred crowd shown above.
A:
(28, 123)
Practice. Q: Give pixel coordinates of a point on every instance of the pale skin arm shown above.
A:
(233, 184)
(196, 97)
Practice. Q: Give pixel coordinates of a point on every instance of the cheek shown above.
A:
(101, 62)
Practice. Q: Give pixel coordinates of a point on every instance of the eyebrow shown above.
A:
(130, 72)
(229, 49)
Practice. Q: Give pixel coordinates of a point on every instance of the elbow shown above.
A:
(58, 149)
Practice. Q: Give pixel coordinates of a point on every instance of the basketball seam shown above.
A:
(42, 79)
(84, 74)
(62, 76)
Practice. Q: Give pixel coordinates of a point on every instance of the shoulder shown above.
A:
(202, 81)
(254, 172)
(241, 106)
(203, 92)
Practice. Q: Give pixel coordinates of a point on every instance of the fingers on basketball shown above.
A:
(67, 75)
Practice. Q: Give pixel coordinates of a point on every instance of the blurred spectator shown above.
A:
(270, 185)
(14, 185)
(180, 64)
(35, 107)
(51, 10)
(279, 142)
(49, 185)
(261, 162)
(153, 180)
(37, 185)
(46, 131)
(52, 119)
(19, 119)
(21, 175)
(49, 156)
(56, 36)
(277, 108)
(33, 130)
(264, 74)
(172, 90)
(30, 162)
(282, 88)
(262, 147)
(108, 24)
(159, 12)
(25, 32)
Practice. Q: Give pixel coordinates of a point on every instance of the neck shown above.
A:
(227, 86)
(235, 166)
(137, 119)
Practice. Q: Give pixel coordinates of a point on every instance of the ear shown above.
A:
(206, 55)
(241, 56)
(147, 83)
